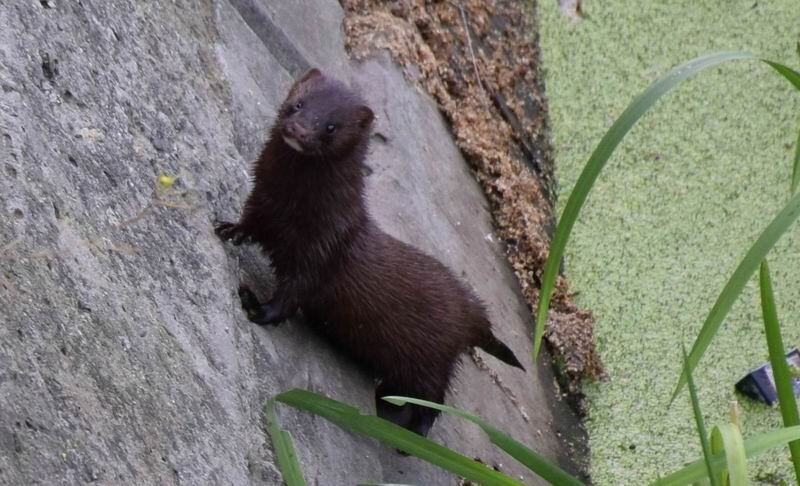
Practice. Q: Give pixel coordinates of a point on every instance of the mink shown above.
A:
(399, 313)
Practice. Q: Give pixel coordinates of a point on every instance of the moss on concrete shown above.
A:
(680, 202)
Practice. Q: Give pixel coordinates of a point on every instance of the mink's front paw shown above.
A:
(273, 312)
(250, 303)
(230, 231)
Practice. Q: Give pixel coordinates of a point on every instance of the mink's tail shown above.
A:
(499, 350)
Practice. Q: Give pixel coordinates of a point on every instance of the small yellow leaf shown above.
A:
(165, 180)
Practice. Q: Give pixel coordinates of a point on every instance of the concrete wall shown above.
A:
(124, 355)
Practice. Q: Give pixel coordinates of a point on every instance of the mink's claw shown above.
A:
(272, 312)
(230, 232)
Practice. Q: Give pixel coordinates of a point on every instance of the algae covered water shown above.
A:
(680, 202)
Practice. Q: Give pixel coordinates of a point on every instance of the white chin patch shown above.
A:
(293, 143)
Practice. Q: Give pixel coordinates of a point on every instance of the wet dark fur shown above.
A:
(399, 313)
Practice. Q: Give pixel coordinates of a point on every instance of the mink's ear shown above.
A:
(311, 76)
(365, 116)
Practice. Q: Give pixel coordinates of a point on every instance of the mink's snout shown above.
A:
(294, 129)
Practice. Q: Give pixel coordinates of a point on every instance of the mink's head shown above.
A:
(322, 117)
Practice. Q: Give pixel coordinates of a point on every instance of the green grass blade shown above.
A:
(698, 418)
(514, 448)
(787, 72)
(753, 446)
(352, 419)
(796, 168)
(780, 369)
(598, 160)
(284, 449)
(738, 280)
(794, 78)
(727, 439)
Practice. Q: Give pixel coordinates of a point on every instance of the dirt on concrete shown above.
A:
(480, 61)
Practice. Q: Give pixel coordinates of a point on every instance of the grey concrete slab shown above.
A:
(125, 357)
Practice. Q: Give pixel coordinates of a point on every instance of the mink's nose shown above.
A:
(296, 130)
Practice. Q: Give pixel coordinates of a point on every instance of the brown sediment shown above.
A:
(480, 61)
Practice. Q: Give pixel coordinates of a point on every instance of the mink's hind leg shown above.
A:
(230, 231)
(430, 387)
(412, 417)
(397, 414)
(273, 312)
(422, 419)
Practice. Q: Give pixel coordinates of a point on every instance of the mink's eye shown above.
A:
(298, 105)
(330, 128)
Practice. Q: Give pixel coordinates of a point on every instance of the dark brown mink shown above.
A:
(401, 314)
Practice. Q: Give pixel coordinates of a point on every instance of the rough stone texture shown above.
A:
(124, 355)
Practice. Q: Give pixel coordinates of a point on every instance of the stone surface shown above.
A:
(124, 355)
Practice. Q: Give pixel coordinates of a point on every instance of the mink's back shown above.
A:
(398, 311)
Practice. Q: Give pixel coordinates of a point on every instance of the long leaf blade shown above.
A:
(790, 74)
(753, 447)
(777, 357)
(351, 418)
(699, 422)
(793, 77)
(738, 280)
(598, 160)
(796, 166)
(530, 458)
(284, 449)
(727, 439)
